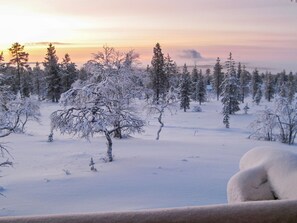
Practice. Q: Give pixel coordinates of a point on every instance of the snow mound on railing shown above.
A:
(265, 174)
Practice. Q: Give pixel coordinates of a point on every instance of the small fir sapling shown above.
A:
(246, 108)
(50, 137)
(92, 165)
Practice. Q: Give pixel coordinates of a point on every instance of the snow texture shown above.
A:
(265, 174)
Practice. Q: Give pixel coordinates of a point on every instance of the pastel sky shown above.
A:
(258, 32)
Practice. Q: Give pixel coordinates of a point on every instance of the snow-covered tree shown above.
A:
(159, 79)
(255, 82)
(264, 127)
(68, 73)
(291, 87)
(230, 89)
(217, 79)
(53, 74)
(185, 89)
(269, 86)
(244, 82)
(278, 123)
(39, 82)
(286, 115)
(165, 104)
(199, 87)
(103, 104)
(171, 72)
(258, 96)
(15, 112)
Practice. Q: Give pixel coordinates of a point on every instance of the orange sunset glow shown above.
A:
(258, 32)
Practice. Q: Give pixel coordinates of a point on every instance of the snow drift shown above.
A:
(265, 174)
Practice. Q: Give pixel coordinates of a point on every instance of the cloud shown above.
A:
(191, 54)
(47, 43)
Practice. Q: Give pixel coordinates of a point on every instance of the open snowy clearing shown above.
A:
(189, 166)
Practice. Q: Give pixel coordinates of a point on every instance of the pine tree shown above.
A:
(218, 78)
(185, 89)
(53, 76)
(19, 58)
(269, 87)
(256, 82)
(159, 79)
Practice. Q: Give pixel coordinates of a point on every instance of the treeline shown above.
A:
(49, 79)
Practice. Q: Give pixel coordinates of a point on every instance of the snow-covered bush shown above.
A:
(279, 123)
(197, 108)
(264, 127)
(265, 174)
(15, 112)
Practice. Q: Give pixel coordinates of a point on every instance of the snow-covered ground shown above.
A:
(190, 165)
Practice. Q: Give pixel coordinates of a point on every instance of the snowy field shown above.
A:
(190, 165)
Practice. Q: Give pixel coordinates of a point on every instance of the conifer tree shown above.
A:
(69, 73)
(39, 84)
(201, 88)
(185, 89)
(19, 58)
(1, 60)
(159, 79)
(171, 73)
(256, 82)
(194, 77)
(53, 75)
(230, 93)
(269, 87)
(258, 96)
(217, 78)
(291, 87)
(244, 81)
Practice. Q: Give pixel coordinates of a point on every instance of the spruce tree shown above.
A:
(230, 93)
(217, 78)
(201, 88)
(185, 89)
(53, 75)
(194, 77)
(159, 79)
(69, 73)
(171, 72)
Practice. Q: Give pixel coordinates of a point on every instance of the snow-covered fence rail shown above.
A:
(261, 211)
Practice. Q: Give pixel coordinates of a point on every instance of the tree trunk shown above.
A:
(109, 146)
(161, 125)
